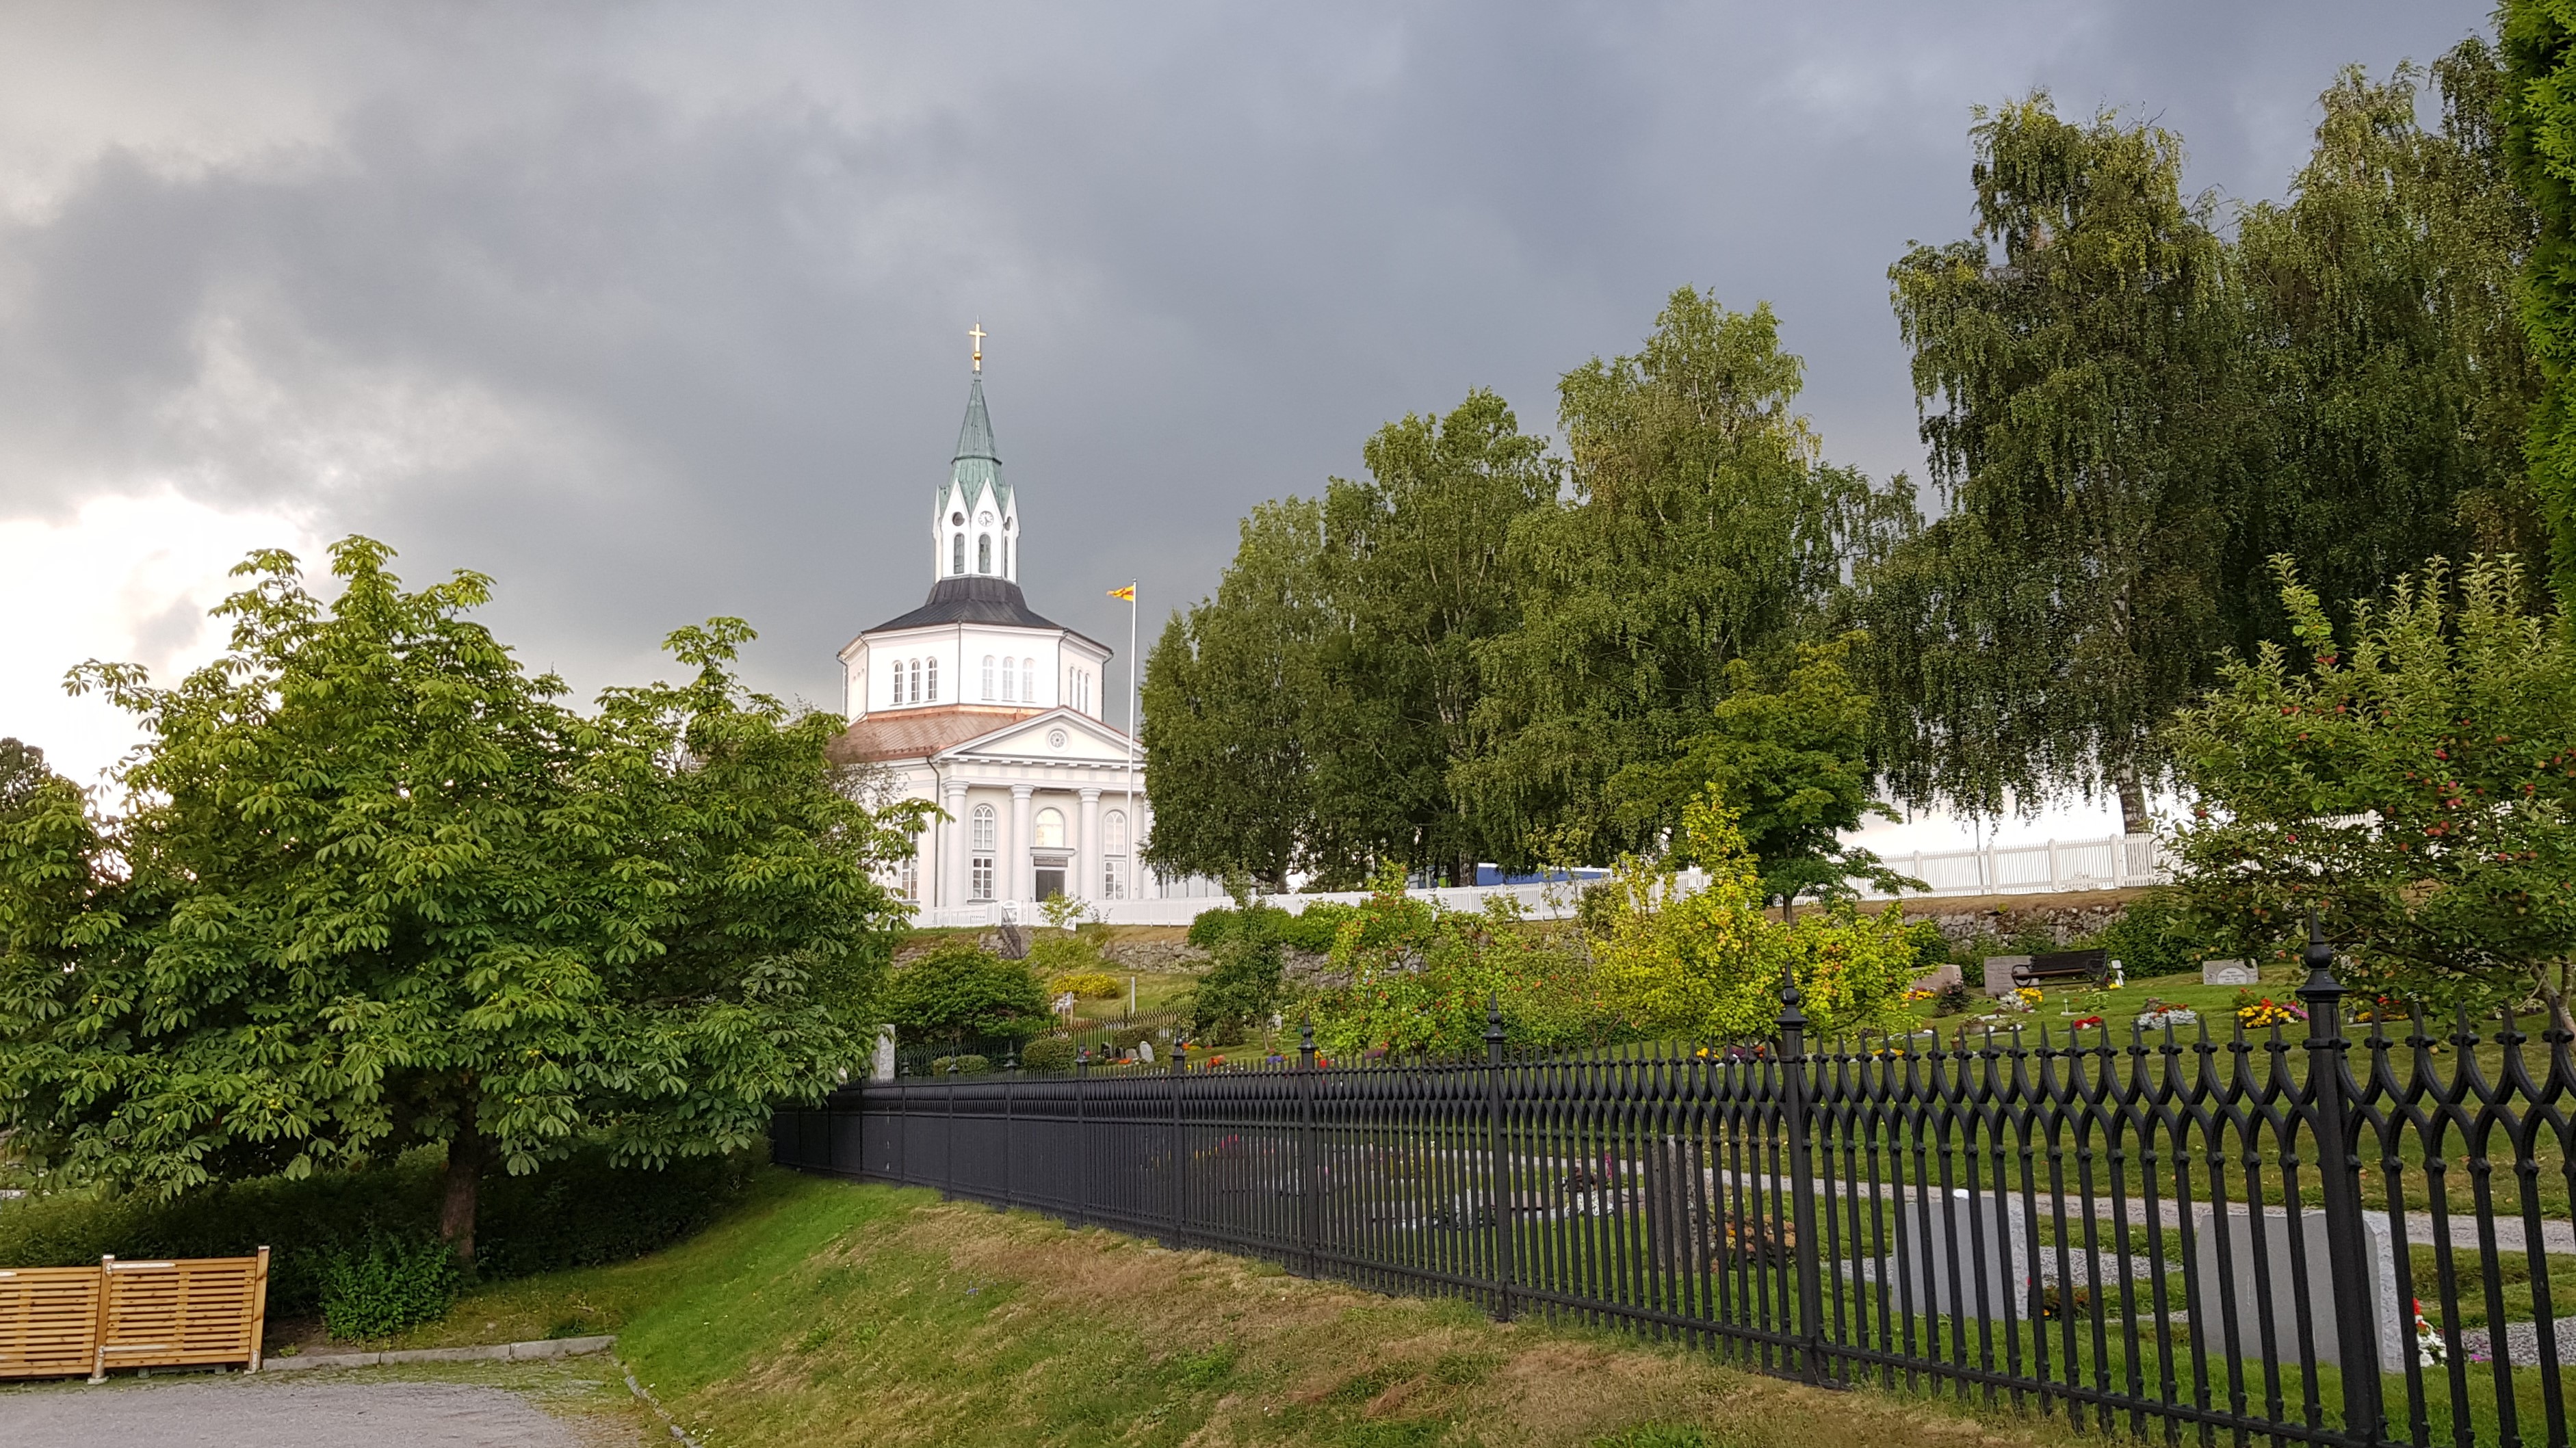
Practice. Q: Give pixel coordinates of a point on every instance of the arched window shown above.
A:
(988, 678)
(916, 681)
(980, 863)
(984, 553)
(1006, 681)
(957, 553)
(931, 667)
(1114, 873)
(894, 695)
(1049, 832)
(1006, 557)
(1029, 680)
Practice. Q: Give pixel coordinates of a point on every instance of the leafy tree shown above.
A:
(1703, 528)
(962, 990)
(1709, 965)
(1414, 568)
(1226, 695)
(22, 775)
(2537, 107)
(2385, 382)
(376, 886)
(2414, 783)
(1790, 755)
(2071, 360)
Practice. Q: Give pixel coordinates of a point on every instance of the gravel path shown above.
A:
(250, 1412)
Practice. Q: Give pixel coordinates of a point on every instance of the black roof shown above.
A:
(976, 600)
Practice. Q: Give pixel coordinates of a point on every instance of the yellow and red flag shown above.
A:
(1128, 593)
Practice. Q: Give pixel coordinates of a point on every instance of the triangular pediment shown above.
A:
(1068, 735)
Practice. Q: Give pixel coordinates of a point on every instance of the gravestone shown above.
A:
(2001, 972)
(882, 1068)
(1991, 1242)
(1942, 978)
(2391, 1314)
(1145, 1052)
(2229, 972)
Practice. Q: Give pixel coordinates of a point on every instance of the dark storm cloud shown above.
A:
(657, 313)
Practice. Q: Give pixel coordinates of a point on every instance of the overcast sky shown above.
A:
(658, 311)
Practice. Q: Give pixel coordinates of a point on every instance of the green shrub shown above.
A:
(388, 1285)
(1313, 929)
(578, 1212)
(967, 1065)
(1048, 1053)
(2152, 937)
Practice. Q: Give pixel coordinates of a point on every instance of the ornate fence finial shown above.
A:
(1493, 1028)
(2322, 992)
(1306, 1041)
(1791, 1018)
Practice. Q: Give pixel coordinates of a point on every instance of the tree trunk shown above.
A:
(2133, 805)
(466, 1152)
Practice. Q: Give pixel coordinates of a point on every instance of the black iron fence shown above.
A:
(2326, 1239)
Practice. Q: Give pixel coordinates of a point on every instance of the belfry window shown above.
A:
(916, 681)
(988, 678)
(931, 668)
(984, 553)
(957, 553)
(1029, 680)
(895, 695)
(1006, 681)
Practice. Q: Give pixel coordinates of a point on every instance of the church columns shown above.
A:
(1088, 842)
(953, 841)
(1015, 851)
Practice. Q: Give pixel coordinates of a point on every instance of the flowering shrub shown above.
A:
(2265, 1012)
(1090, 985)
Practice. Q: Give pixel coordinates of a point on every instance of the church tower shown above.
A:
(974, 520)
(992, 711)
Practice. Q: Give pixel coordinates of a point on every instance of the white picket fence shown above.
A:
(2114, 862)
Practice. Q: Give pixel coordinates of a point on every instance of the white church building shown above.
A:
(982, 706)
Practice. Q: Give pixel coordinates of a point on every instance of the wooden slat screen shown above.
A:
(57, 1320)
(48, 1320)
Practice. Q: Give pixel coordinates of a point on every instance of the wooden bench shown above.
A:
(2061, 965)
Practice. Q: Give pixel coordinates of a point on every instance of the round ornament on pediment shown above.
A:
(1056, 738)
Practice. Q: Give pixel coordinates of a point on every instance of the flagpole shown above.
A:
(1135, 690)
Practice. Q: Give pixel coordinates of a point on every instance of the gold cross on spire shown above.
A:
(977, 332)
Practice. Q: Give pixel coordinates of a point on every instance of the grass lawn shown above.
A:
(833, 1313)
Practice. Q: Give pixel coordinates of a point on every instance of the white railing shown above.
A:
(2110, 863)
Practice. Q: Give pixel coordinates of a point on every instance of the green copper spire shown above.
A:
(976, 462)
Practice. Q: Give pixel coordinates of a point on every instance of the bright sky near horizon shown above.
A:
(657, 311)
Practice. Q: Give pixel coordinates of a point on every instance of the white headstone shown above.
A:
(882, 1068)
(2229, 972)
(1145, 1052)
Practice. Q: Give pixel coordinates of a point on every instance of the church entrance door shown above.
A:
(1050, 881)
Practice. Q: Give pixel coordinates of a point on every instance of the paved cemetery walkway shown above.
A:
(256, 1412)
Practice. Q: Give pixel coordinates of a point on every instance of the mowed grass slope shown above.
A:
(834, 1313)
